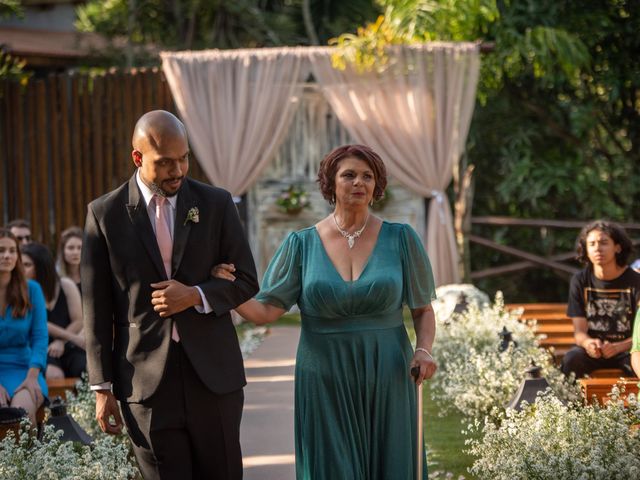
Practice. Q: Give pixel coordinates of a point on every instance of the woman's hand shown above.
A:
(31, 385)
(4, 397)
(56, 348)
(426, 363)
(224, 271)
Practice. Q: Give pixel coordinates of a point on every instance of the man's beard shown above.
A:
(155, 188)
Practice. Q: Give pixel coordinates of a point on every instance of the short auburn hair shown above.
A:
(330, 163)
(613, 230)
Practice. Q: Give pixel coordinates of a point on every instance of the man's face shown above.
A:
(23, 234)
(601, 249)
(163, 168)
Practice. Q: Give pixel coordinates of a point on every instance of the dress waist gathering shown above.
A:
(352, 323)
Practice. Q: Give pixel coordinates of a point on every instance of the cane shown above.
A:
(415, 372)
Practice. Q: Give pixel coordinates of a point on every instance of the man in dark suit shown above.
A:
(158, 329)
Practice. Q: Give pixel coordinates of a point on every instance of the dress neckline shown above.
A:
(367, 262)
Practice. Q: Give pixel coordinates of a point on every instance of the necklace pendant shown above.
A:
(351, 241)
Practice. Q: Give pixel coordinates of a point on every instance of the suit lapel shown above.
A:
(138, 215)
(181, 227)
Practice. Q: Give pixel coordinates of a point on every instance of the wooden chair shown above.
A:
(599, 388)
(15, 427)
(552, 324)
(59, 387)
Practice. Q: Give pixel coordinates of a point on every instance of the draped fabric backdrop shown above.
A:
(416, 114)
(238, 105)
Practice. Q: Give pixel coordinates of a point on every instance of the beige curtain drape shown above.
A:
(416, 114)
(237, 106)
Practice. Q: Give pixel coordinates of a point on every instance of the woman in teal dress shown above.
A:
(350, 275)
(23, 333)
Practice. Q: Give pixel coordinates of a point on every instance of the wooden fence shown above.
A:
(66, 139)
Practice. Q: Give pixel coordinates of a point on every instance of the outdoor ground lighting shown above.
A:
(533, 384)
(506, 338)
(61, 420)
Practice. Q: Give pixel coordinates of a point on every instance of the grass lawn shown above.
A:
(445, 442)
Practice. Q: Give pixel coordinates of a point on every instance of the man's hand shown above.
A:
(56, 348)
(593, 347)
(610, 350)
(108, 412)
(171, 297)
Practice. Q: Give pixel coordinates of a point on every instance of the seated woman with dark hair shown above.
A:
(66, 354)
(23, 333)
(603, 301)
(69, 252)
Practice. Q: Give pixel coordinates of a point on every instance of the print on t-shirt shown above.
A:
(609, 313)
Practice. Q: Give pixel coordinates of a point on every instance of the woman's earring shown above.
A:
(371, 202)
(333, 199)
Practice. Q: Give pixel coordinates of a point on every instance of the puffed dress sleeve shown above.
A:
(281, 284)
(38, 334)
(418, 284)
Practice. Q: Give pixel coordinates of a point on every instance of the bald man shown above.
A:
(159, 334)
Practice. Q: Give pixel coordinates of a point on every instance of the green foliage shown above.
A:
(556, 130)
(196, 24)
(12, 68)
(10, 7)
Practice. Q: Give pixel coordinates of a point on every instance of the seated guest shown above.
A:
(23, 328)
(21, 229)
(69, 252)
(66, 355)
(603, 301)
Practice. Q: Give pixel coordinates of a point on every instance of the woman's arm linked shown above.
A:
(251, 310)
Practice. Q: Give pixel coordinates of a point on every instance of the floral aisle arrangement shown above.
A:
(552, 441)
(474, 376)
(50, 458)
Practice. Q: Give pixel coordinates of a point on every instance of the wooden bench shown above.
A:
(600, 388)
(59, 387)
(552, 324)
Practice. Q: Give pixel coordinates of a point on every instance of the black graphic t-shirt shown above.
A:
(608, 305)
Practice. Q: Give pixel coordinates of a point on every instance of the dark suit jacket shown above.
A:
(127, 341)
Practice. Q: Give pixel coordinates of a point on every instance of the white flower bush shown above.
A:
(51, 459)
(552, 441)
(474, 376)
(250, 338)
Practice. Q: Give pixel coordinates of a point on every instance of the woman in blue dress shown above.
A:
(350, 275)
(23, 333)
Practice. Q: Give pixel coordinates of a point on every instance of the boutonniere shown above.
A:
(193, 215)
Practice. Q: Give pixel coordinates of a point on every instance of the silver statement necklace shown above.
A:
(351, 237)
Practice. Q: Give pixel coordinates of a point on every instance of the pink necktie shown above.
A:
(165, 243)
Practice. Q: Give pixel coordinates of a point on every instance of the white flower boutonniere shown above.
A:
(193, 215)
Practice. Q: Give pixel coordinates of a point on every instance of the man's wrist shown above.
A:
(196, 297)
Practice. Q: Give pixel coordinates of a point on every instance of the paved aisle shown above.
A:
(266, 433)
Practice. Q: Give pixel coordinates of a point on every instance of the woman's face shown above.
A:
(8, 254)
(29, 267)
(72, 250)
(601, 249)
(355, 182)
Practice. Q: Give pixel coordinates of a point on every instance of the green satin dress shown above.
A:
(355, 402)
